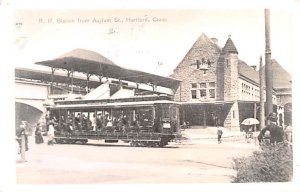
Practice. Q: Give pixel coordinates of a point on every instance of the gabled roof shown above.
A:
(203, 47)
(229, 47)
(281, 78)
(248, 72)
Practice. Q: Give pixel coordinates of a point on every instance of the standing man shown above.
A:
(38, 134)
(21, 130)
(219, 133)
(276, 132)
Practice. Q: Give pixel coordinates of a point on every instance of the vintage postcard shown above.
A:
(153, 96)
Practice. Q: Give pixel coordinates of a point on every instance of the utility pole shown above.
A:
(261, 95)
(268, 68)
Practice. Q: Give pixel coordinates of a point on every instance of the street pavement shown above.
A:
(193, 160)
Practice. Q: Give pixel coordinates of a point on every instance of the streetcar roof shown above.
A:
(113, 105)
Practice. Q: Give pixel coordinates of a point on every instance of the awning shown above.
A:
(92, 63)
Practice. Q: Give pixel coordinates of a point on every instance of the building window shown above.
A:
(203, 90)
(202, 85)
(207, 90)
(233, 114)
(194, 94)
(194, 85)
(212, 93)
(203, 93)
(211, 84)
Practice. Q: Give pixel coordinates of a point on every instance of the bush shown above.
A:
(270, 164)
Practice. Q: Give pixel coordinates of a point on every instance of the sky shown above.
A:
(150, 40)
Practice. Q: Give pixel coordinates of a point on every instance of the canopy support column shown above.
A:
(204, 117)
(120, 84)
(100, 78)
(88, 75)
(52, 78)
(154, 87)
(254, 115)
(72, 80)
(70, 73)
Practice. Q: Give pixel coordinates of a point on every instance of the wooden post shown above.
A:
(268, 68)
(72, 80)
(100, 78)
(204, 117)
(95, 119)
(254, 115)
(73, 119)
(261, 96)
(59, 119)
(81, 127)
(87, 82)
(68, 79)
(52, 78)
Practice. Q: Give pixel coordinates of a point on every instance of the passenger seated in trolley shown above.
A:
(84, 122)
(120, 124)
(69, 128)
(99, 122)
(135, 126)
(109, 123)
(77, 121)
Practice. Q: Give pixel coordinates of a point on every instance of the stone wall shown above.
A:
(187, 71)
(231, 77)
(220, 78)
(232, 120)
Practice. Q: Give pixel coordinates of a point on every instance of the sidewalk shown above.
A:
(209, 136)
(198, 132)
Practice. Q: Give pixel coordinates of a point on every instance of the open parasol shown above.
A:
(250, 121)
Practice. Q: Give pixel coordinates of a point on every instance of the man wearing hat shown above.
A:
(276, 132)
(21, 130)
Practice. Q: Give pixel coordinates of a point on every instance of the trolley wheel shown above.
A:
(163, 142)
(58, 141)
(83, 141)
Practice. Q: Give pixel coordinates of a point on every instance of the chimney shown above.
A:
(215, 40)
(253, 67)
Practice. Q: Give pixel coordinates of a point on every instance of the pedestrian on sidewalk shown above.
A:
(51, 134)
(21, 130)
(219, 133)
(38, 134)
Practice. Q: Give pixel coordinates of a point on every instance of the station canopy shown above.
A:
(93, 63)
(45, 76)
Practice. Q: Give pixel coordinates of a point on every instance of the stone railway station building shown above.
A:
(219, 89)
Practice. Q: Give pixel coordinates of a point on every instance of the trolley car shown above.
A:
(141, 121)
